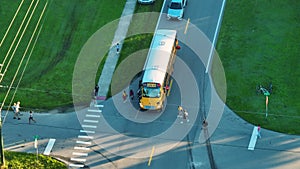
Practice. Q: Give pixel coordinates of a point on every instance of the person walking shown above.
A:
(124, 95)
(96, 90)
(186, 116)
(180, 110)
(15, 111)
(180, 113)
(258, 131)
(131, 94)
(118, 48)
(31, 117)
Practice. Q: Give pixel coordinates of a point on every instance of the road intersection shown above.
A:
(113, 134)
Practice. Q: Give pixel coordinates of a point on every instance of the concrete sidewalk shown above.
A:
(113, 55)
(229, 144)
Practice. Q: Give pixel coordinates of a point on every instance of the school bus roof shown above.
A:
(159, 56)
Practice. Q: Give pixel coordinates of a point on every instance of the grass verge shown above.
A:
(65, 27)
(16, 160)
(257, 46)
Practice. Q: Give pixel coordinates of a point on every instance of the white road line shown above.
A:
(81, 148)
(137, 113)
(90, 115)
(49, 146)
(186, 26)
(86, 131)
(89, 126)
(78, 159)
(92, 110)
(215, 36)
(84, 142)
(91, 121)
(89, 137)
(98, 105)
(79, 154)
(76, 165)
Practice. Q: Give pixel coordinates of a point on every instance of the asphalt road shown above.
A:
(123, 137)
(129, 138)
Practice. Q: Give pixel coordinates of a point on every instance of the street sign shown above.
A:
(36, 141)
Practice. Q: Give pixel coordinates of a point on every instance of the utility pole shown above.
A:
(1, 138)
(1, 141)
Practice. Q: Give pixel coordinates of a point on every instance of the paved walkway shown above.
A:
(113, 56)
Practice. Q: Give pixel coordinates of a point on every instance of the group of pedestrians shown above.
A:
(16, 110)
(124, 95)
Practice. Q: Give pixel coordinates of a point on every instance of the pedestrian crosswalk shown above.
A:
(84, 140)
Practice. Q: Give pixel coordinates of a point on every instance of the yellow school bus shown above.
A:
(158, 69)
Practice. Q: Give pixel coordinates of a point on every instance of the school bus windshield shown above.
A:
(151, 92)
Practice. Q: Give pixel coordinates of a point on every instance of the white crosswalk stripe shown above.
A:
(93, 110)
(79, 154)
(81, 148)
(88, 137)
(90, 121)
(90, 115)
(87, 131)
(89, 126)
(83, 142)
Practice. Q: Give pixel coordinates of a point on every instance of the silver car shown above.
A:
(146, 1)
(176, 9)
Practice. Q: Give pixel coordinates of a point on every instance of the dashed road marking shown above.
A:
(186, 26)
(81, 148)
(87, 131)
(91, 115)
(76, 165)
(89, 126)
(98, 105)
(91, 121)
(79, 154)
(93, 110)
(84, 142)
(78, 159)
(151, 155)
(88, 137)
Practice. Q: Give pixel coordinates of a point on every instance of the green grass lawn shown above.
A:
(134, 42)
(66, 26)
(16, 160)
(258, 44)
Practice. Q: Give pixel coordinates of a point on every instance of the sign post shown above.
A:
(267, 94)
(267, 101)
(36, 146)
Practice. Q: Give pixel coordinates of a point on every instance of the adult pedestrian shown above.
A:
(17, 113)
(31, 117)
(186, 116)
(96, 90)
(258, 131)
(180, 111)
(118, 48)
(14, 106)
(131, 94)
(124, 96)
